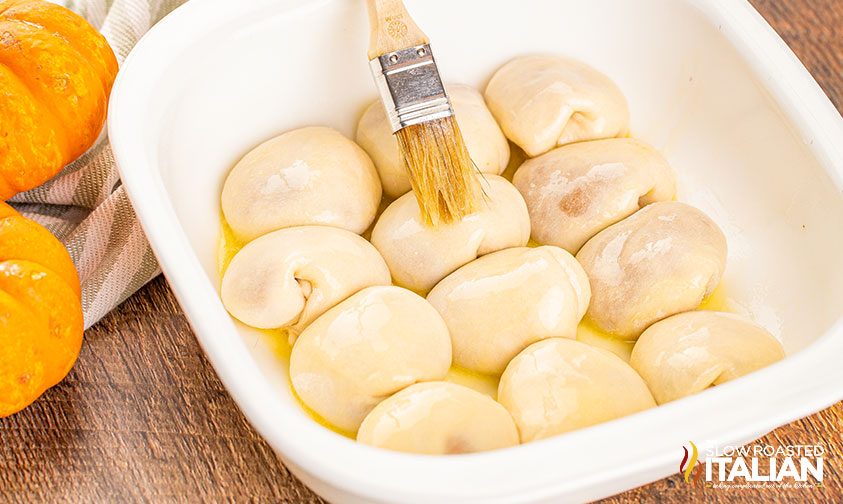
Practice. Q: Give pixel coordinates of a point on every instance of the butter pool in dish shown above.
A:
(364, 343)
(640, 258)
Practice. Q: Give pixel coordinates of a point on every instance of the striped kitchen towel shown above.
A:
(85, 205)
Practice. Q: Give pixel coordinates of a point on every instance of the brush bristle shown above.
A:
(441, 171)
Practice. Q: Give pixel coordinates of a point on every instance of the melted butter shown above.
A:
(385, 202)
(282, 349)
(485, 384)
(278, 339)
(590, 334)
(516, 159)
(229, 245)
(316, 417)
(717, 300)
(280, 343)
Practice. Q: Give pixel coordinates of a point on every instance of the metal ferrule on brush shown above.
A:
(410, 87)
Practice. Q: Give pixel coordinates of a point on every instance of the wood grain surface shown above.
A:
(142, 416)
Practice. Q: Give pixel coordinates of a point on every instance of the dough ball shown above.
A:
(498, 305)
(365, 349)
(545, 101)
(287, 278)
(303, 177)
(486, 143)
(664, 259)
(419, 256)
(559, 385)
(689, 352)
(575, 191)
(439, 418)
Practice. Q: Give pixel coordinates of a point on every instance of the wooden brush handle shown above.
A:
(392, 28)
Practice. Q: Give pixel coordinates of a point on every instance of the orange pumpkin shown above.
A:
(41, 321)
(56, 73)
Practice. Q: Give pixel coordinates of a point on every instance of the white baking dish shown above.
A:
(755, 141)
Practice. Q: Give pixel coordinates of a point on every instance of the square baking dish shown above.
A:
(755, 142)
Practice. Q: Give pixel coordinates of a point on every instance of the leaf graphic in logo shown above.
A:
(686, 467)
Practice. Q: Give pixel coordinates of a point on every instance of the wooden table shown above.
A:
(143, 417)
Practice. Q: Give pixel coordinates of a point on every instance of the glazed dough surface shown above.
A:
(303, 177)
(287, 278)
(419, 256)
(559, 385)
(365, 349)
(486, 143)
(689, 352)
(439, 418)
(575, 191)
(664, 259)
(545, 101)
(498, 305)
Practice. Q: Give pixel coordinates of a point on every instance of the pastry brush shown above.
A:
(432, 147)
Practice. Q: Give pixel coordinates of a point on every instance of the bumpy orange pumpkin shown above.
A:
(56, 73)
(41, 321)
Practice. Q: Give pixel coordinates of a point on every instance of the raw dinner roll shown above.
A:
(545, 101)
(287, 278)
(419, 256)
(576, 191)
(559, 385)
(439, 418)
(365, 349)
(687, 353)
(664, 259)
(498, 305)
(303, 177)
(486, 142)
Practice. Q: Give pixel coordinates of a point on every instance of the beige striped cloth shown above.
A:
(85, 205)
